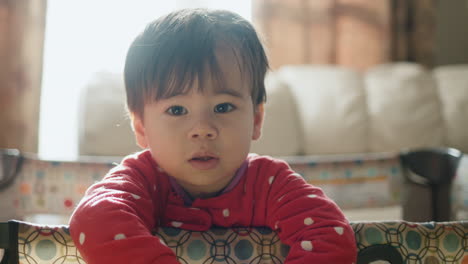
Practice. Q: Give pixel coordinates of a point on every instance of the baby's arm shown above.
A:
(113, 222)
(309, 222)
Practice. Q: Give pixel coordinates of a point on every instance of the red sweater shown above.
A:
(114, 221)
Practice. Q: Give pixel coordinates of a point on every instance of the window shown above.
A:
(84, 37)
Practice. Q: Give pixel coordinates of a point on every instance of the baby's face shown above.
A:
(201, 139)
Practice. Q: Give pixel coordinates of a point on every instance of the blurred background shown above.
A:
(61, 96)
(50, 48)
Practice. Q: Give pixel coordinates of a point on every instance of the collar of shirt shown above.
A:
(235, 180)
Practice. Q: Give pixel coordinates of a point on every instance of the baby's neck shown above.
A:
(189, 197)
(205, 195)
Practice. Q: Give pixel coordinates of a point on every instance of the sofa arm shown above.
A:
(393, 241)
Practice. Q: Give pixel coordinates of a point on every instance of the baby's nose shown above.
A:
(203, 131)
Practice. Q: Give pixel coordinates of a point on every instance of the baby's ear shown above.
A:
(139, 130)
(259, 114)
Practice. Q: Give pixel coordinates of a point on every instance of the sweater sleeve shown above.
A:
(309, 222)
(113, 222)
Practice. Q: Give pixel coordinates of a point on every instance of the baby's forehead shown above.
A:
(223, 74)
(211, 85)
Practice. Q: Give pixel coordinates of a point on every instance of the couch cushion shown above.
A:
(281, 133)
(104, 129)
(452, 82)
(102, 110)
(404, 108)
(332, 108)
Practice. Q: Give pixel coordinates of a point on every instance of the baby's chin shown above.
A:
(205, 187)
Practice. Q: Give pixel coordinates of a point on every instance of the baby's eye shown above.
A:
(224, 108)
(176, 110)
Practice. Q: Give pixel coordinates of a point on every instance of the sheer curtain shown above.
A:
(87, 36)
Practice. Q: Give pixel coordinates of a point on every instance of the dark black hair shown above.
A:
(179, 47)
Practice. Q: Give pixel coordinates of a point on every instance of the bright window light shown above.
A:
(87, 36)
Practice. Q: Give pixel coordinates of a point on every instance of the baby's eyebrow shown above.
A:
(230, 92)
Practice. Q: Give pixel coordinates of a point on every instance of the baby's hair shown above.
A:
(181, 46)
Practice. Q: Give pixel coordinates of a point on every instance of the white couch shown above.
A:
(331, 110)
(317, 110)
(328, 115)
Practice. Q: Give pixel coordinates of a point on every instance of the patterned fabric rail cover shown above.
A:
(416, 243)
(47, 187)
(352, 181)
(52, 187)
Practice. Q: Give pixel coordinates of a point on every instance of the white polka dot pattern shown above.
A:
(339, 230)
(176, 224)
(226, 212)
(312, 195)
(308, 221)
(82, 238)
(271, 179)
(306, 245)
(119, 237)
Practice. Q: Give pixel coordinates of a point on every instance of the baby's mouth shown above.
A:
(204, 162)
(202, 158)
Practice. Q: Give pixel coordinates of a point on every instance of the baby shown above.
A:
(195, 92)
